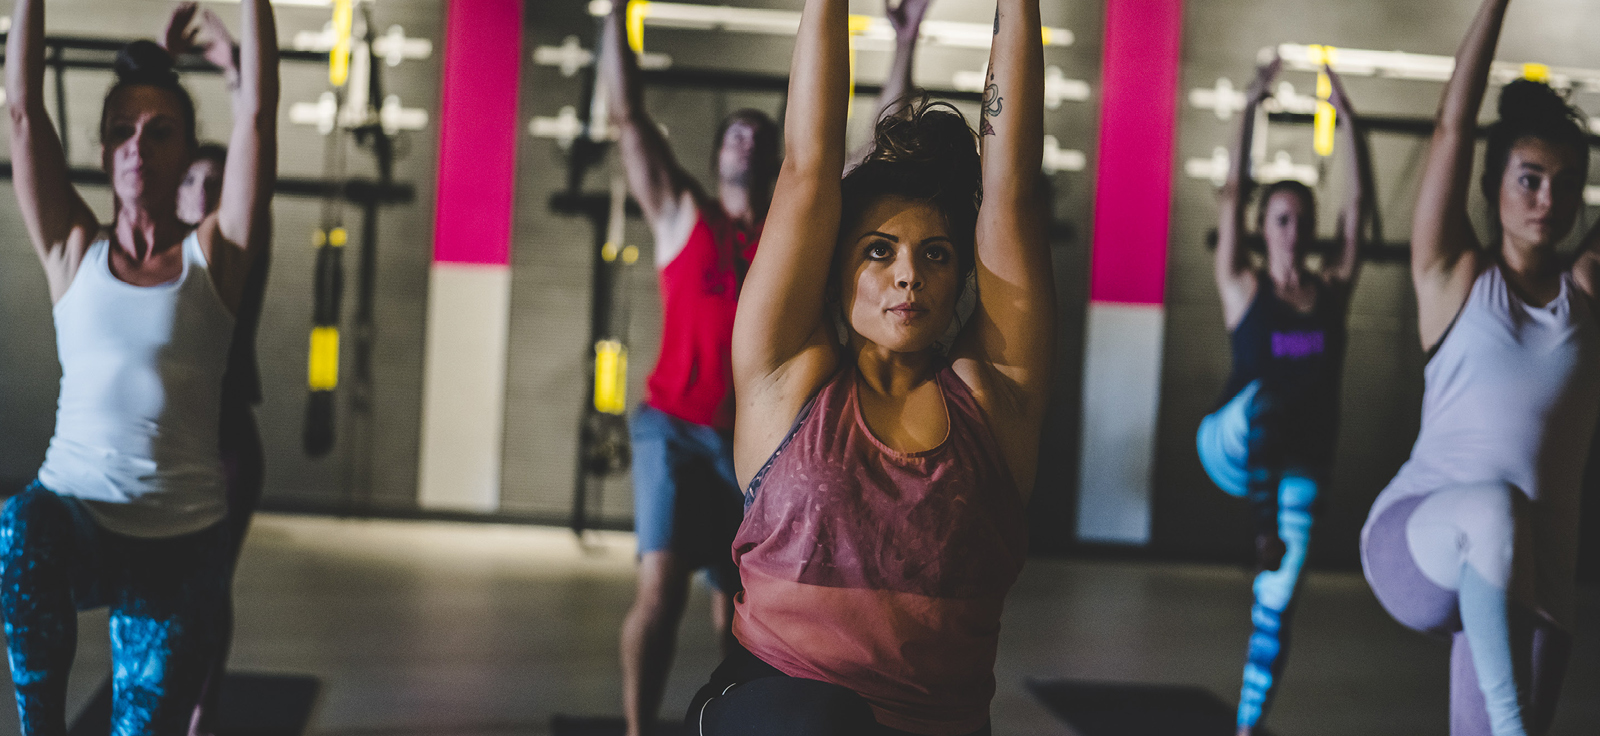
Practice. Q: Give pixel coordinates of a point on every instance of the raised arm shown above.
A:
(781, 346)
(665, 192)
(1236, 281)
(1011, 334)
(240, 230)
(1444, 251)
(1358, 206)
(906, 18)
(59, 224)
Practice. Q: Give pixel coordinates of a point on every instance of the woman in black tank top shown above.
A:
(1270, 441)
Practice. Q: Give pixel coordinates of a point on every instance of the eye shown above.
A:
(120, 132)
(1529, 181)
(937, 254)
(879, 250)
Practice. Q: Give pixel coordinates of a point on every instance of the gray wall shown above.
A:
(1383, 373)
(28, 368)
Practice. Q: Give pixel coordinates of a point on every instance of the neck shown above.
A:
(1532, 261)
(891, 373)
(1284, 272)
(140, 234)
(741, 205)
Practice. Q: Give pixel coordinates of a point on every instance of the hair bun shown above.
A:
(933, 140)
(1525, 100)
(144, 62)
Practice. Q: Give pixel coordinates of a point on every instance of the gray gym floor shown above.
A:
(441, 629)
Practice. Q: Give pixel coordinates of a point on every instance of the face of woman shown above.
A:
(197, 195)
(1540, 193)
(899, 277)
(144, 147)
(1288, 226)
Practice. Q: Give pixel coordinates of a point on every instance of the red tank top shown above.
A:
(693, 378)
(883, 571)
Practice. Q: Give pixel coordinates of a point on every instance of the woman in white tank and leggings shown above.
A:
(128, 509)
(1476, 537)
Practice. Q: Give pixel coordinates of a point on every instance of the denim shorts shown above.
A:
(686, 499)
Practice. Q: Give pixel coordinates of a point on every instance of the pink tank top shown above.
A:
(883, 571)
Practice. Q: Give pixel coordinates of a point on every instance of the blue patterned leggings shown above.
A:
(168, 600)
(1284, 494)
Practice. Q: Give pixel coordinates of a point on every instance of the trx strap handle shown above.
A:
(322, 364)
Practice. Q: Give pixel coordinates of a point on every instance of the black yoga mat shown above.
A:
(605, 726)
(1134, 709)
(247, 705)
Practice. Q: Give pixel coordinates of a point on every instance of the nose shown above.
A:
(908, 277)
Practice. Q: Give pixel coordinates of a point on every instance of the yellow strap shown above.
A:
(637, 10)
(1326, 119)
(322, 372)
(610, 377)
(339, 55)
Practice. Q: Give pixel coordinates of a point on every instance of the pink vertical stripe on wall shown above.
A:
(1138, 126)
(478, 132)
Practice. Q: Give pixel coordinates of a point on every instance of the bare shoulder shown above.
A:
(675, 222)
(1015, 414)
(61, 263)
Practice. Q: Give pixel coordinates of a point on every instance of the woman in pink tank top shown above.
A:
(1475, 539)
(886, 476)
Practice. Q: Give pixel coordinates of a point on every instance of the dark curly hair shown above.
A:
(924, 152)
(1529, 109)
(145, 63)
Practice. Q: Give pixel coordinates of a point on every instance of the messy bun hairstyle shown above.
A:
(1529, 109)
(923, 152)
(147, 64)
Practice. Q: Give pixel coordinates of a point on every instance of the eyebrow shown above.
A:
(896, 239)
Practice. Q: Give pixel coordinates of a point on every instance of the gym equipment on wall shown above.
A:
(372, 120)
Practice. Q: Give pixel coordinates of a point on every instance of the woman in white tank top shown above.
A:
(128, 506)
(1476, 537)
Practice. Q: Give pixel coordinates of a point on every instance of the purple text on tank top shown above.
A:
(1296, 345)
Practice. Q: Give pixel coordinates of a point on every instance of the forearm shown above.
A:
(619, 69)
(1358, 192)
(1235, 192)
(1458, 109)
(814, 119)
(25, 59)
(1012, 127)
(899, 82)
(257, 93)
(251, 170)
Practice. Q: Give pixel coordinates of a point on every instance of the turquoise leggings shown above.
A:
(1224, 443)
(168, 600)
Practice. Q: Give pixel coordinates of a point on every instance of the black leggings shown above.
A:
(747, 696)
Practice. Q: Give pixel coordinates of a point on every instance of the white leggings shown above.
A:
(1450, 553)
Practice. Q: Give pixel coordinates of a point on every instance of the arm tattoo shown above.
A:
(996, 21)
(992, 103)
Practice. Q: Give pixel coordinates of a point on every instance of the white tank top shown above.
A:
(141, 397)
(1513, 395)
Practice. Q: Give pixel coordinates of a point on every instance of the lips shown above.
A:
(907, 310)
